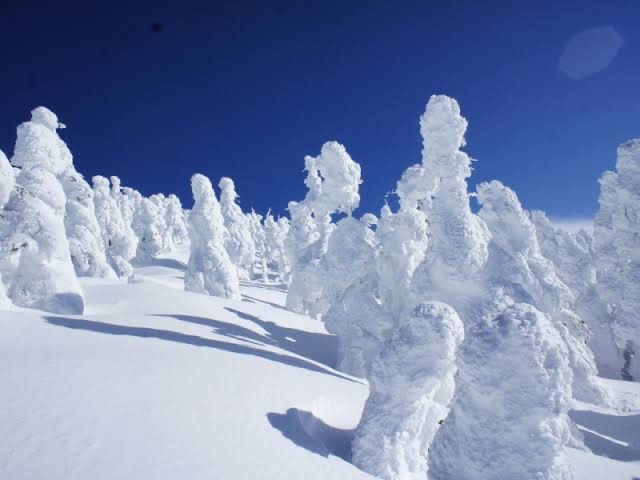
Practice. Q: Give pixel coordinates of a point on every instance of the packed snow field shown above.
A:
(440, 340)
(155, 382)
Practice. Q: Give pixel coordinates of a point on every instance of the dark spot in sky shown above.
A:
(156, 27)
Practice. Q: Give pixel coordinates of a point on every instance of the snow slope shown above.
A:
(155, 382)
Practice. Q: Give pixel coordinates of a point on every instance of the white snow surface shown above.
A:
(156, 382)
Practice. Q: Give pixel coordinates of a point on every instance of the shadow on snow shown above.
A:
(610, 436)
(251, 299)
(309, 432)
(320, 347)
(170, 336)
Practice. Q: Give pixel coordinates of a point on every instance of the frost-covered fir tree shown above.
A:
(119, 240)
(258, 237)
(350, 253)
(617, 254)
(456, 269)
(209, 270)
(147, 224)
(7, 179)
(572, 255)
(275, 252)
(239, 242)
(517, 265)
(85, 240)
(459, 239)
(411, 384)
(354, 312)
(42, 275)
(301, 237)
(7, 184)
(401, 433)
(403, 239)
(160, 222)
(124, 199)
(175, 220)
(507, 422)
(333, 180)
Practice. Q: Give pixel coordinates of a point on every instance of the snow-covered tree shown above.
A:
(301, 236)
(509, 414)
(516, 264)
(408, 324)
(43, 275)
(147, 225)
(209, 270)
(350, 253)
(119, 240)
(7, 179)
(85, 240)
(459, 238)
(411, 384)
(403, 239)
(175, 220)
(333, 180)
(572, 255)
(160, 221)
(7, 184)
(617, 254)
(125, 200)
(239, 242)
(456, 260)
(258, 238)
(275, 237)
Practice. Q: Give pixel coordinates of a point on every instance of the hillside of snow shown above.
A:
(155, 382)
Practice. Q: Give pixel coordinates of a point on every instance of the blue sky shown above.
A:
(248, 90)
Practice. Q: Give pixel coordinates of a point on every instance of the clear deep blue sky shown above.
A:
(247, 90)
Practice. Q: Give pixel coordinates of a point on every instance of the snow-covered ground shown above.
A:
(153, 382)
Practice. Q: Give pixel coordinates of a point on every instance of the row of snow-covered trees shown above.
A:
(54, 228)
(474, 329)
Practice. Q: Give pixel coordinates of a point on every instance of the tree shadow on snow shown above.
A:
(168, 263)
(320, 347)
(311, 433)
(616, 437)
(276, 287)
(249, 298)
(170, 336)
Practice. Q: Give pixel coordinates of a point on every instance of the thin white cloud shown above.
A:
(573, 224)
